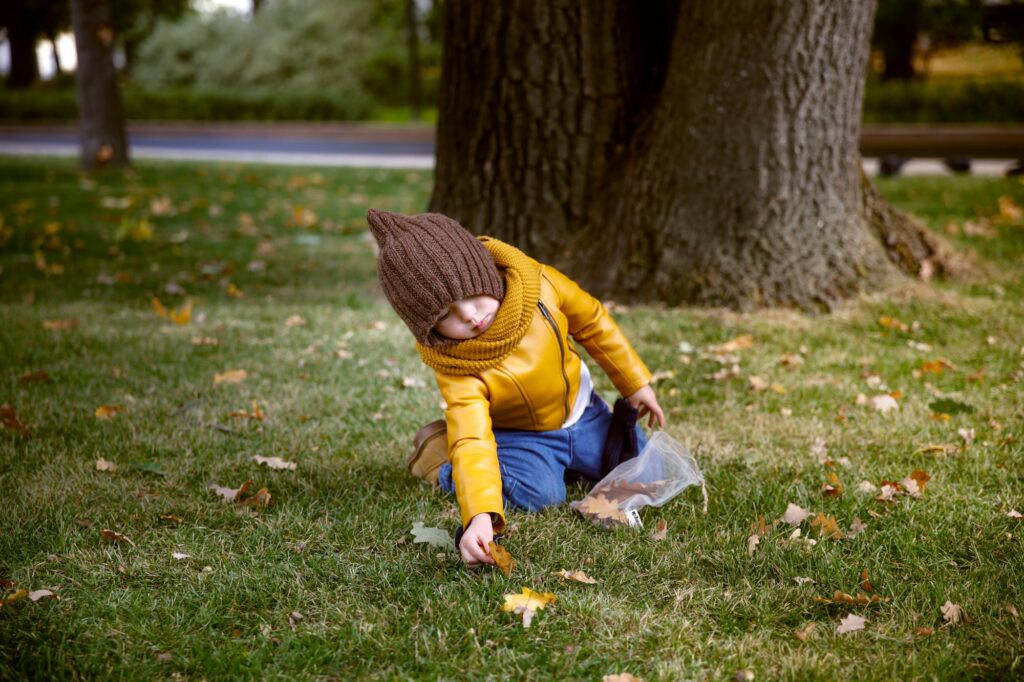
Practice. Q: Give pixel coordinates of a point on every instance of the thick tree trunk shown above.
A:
(535, 102)
(101, 120)
(21, 39)
(657, 159)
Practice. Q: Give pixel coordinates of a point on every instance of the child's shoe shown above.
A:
(430, 451)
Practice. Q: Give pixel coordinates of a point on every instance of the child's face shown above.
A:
(468, 318)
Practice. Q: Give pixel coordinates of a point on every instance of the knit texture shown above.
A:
(427, 262)
(522, 290)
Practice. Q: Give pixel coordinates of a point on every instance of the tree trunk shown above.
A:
(58, 68)
(21, 39)
(101, 119)
(669, 157)
(413, 49)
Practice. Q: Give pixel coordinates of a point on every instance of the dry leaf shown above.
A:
(795, 515)
(275, 462)
(108, 411)
(435, 537)
(232, 376)
(1012, 610)
(726, 373)
(923, 632)
(879, 403)
(1014, 514)
(260, 499)
(857, 527)
(180, 555)
(833, 487)
(35, 377)
(621, 677)
(527, 603)
(257, 413)
(802, 580)
(502, 558)
(578, 576)
(104, 465)
(791, 360)
(803, 633)
(600, 507)
(826, 526)
(840, 597)
(171, 518)
(952, 613)
(16, 595)
(865, 584)
(967, 435)
(114, 536)
(893, 323)
(41, 594)
(294, 321)
(867, 487)
(294, 617)
(660, 530)
(60, 325)
(819, 450)
(757, 383)
(9, 420)
(752, 543)
(739, 343)
(230, 494)
(851, 623)
(888, 490)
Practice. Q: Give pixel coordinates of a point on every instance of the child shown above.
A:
(494, 325)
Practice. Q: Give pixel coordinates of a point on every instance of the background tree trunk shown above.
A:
(101, 120)
(21, 39)
(702, 150)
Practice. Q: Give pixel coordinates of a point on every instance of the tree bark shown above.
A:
(21, 38)
(669, 156)
(101, 120)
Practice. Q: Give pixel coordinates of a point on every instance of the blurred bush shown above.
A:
(944, 101)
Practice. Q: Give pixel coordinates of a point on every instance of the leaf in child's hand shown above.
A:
(435, 537)
(275, 462)
(578, 576)
(502, 557)
(851, 623)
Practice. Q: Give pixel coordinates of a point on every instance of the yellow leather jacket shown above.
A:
(532, 389)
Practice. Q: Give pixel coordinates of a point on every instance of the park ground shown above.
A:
(180, 319)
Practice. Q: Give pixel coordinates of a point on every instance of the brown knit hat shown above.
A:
(426, 263)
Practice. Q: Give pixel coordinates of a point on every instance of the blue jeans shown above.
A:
(535, 464)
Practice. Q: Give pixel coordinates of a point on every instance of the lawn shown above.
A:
(327, 583)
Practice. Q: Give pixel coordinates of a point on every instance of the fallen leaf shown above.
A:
(819, 450)
(275, 462)
(840, 597)
(791, 360)
(741, 342)
(795, 515)
(936, 447)
(232, 376)
(294, 321)
(527, 603)
(260, 499)
(35, 377)
(923, 631)
(967, 435)
(1014, 514)
(726, 373)
(1012, 610)
(743, 676)
(256, 414)
(952, 613)
(502, 558)
(60, 325)
(851, 623)
(9, 420)
(229, 494)
(866, 487)
(435, 537)
(803, 633)
(865, 584)
(205, 341)
(752, 543)
(171, 518)
(833, 487)
(893, 323)
(758, 383)
(180, 555)
(661, 375)
(108, 411)
(802, 580)
(915, 483)
(879, 403)
(660, 530)
(857, 527)
(36, 595)
(163, 657)
(578, 576)
(621, 677)
(887, 492)
(16, 595)
(826, 526)
(294, 617)
(114, 536)
(936, 366)
(104, 465)
(600, 507)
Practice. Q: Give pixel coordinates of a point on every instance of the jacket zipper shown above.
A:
(561, 353)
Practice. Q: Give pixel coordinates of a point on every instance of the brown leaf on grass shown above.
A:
(791, 360)
(741, 342)
(760, 527)
(1014, 514)
(827, 526)
(660, 530)
(232, 376)
(35, 377)
(171, 518)
(857, 527)
(923, 632)
(977, 376)
(833, 487)
(257, 413)
(622, 677)
(601, 507)
(865, 584)
(260, 499)
(108, 411)
(937, 366)
(1012, 610)
(803, 633)
(9, 420)
(114, 536)
(205, 341)
(915, 483)
(752, 542)
(578, 576)
(104, 465)
(61, 325)
(294, 617)
(502, 557)
(952, 613)
(852, 623)
(839, 597)
(936, 447)
(230, 494)
(180, 316)
(893, 323)
(36, 595)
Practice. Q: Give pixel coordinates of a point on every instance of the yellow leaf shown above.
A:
(108, 411)
(739, 343)
(528, 599)
(826, 526)
(833, 487)
(182, 315)
(159, 308)
(114, 536)
(17, 595)
(232, 376)
(502, 557)
(234, 291)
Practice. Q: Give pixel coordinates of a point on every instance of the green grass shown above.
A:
(335, 544)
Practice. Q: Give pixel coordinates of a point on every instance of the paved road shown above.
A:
(368, 145)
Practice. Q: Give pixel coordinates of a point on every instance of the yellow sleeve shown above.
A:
(472, 449)
(594, 329)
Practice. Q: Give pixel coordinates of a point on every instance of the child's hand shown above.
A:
(475, 543)
(645, 401)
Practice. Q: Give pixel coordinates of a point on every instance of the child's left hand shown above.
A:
(645, 401)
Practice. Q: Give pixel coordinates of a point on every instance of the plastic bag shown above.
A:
(662, 470)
